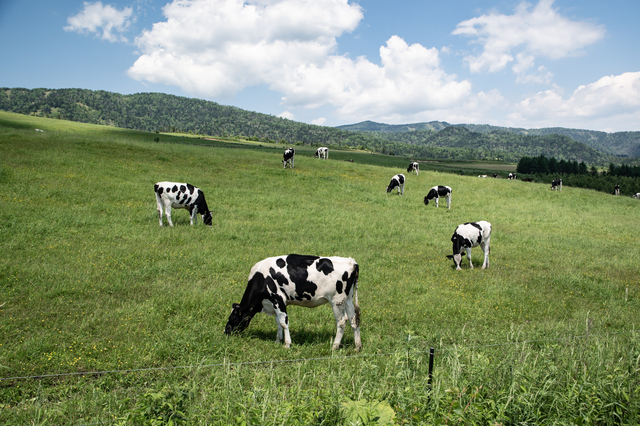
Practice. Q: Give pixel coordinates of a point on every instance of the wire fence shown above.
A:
(295, 360)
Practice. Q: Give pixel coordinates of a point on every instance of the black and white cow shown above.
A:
(467, 236)
(482, 176)
(556, 184)
(636, 196)
(512, 176)
(616, 190)
(181, 196)
(413, 167)
(288, 157)
(396, 182)
(322, 153)
(308, 281)
(436, 192)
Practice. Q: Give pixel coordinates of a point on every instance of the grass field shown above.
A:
(90, 283)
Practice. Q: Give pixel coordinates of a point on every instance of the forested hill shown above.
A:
(157, 112)
(618, 144)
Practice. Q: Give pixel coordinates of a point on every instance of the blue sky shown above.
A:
(542, 63)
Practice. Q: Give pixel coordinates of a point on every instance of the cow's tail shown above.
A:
(355, 295)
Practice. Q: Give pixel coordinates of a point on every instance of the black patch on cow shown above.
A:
(297, 266)
(278, 302)
(475, 225)
(271, 285)
(443, 191)
(183, 188)
(188, 200)
(281, 263)
(351, 280)
(280, 278)
(175, 188)
(325, 266)
(339, 287)
(401, 179)
(190, 188)
(250, 305)
(158, 189)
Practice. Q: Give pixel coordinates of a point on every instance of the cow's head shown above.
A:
(458, 244)
(207, 218)
(426, 201)
(237, 321)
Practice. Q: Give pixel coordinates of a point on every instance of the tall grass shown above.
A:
(90, 283)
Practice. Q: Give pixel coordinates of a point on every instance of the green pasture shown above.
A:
(90, 283)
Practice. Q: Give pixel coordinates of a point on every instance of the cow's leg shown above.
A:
(354, 321)
(194, 215)
(282, 319)
(485, 249)
(159, 208)
(341, 322)
(167, 212)
(437, 199)
(449, 201)
(469, 257)
(401, 187)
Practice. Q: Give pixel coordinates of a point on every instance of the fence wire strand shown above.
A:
(283, 361)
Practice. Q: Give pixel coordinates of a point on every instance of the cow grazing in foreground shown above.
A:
(616, 190)
(308, 281)
(467, 236)
(414, 167)
(436, 192)
(288, 157)
(322, 153)
(556, 184)
(396, 182)
(512, 176)
(181, 196)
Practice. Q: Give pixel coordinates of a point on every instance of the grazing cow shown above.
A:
(308, 281)
(396, 182)
(636, 196)
(556, 184)
(288, 157)
(181, 196)
(436, 192)
(512, 176)
(482, 176)
(413, 167)
(467, 236)
(616, 190)
(322, 153)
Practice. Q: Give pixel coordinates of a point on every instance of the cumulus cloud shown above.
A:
(286, 114)
(529, 33)
(216, 48)
(104, 21)
(610, 98)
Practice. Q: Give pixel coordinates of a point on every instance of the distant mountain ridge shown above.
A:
(162, 113)
(618, 143)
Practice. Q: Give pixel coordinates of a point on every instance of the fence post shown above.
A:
(431, 353)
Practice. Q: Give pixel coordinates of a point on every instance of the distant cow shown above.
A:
(181, 196)
(616, 190)
(288, 157)
(512, 176)
(482, 176)
(556, 184)
(636, 196)
(322, 153)
(413, 167)
(467, 236)
(396, 182)
(436, 192)
(308, 281)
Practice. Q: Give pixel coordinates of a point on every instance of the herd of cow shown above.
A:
(312, 281)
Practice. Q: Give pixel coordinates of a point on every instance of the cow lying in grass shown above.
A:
(181, 196)
(467, 236)
(436, 192)
(308, 281)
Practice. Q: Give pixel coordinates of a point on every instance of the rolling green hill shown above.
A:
(156, 112)
(106, 318)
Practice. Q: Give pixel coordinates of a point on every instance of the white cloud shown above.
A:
(216, 48)
(319, 121)
(612, 98)
(102, 20)
(527, 34)
(286, 114)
